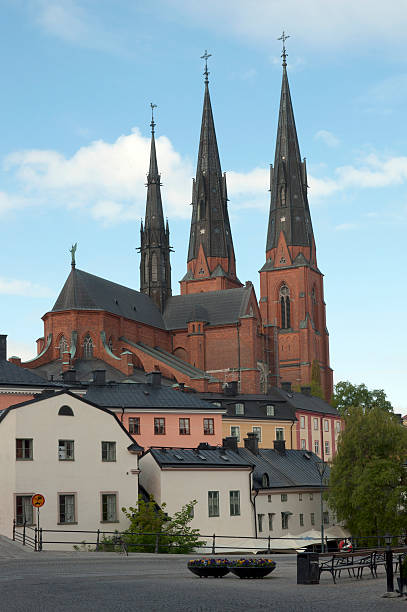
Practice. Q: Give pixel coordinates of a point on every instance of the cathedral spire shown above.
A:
(210, 235)
(289, 210)
(155, 269)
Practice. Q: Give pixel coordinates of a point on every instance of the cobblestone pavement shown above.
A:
(79, 581)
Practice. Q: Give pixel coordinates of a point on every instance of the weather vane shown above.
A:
(284, 37)
(153, 106)
(205, 57)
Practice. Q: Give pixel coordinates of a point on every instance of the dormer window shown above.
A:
(239, 409)
(270, 410)
(265, 481)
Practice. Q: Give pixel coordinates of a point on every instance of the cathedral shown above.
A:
(217, 330)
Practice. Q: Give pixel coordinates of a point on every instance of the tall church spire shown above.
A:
(155, 268)
(210, 254)
(289, 210)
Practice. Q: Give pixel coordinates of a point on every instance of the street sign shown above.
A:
(38, 500)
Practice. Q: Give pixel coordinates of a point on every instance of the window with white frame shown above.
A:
(239, 409)
(24, 449)
(260, 518)
(234, 499)
(184, 427)
(66, 450)
(284, 519)
(208, 427)
(109, 507)
(108, 451)
(312, 516)
(283, 497)
(327, 448)
(299, 496)
(326, 425)
(271, 515)
(311, 496)
(235, 432)
(303, 444)
(257, 431)
(24, 510)
(316, 447)
(302, 422)
(338, 426)
(270, 410)
(66, 508)
(213, 503)
(316, 424)
(279, 433)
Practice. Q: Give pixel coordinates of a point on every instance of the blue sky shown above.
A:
(77, 80)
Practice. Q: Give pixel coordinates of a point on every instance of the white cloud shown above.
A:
(327, 138)
(9, 286)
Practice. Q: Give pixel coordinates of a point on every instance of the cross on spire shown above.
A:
(284, 37)
(153, 106)
(205, 57)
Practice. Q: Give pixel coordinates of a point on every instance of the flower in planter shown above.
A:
(252, 562)
(208, 562)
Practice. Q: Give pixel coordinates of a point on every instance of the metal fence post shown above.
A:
(14, 530)
(268, 545)
(97, 540)
(36, 539)
(40, 539)
(157, 542)
(389, 565)
(24, 533)
(213, 544)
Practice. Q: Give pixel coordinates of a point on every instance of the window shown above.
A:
(270, 410)
(234, 498)
(303, 445)
(24, 510)
(299, 496)
(134, 425)
(260, 518)
(257, 431)
(208, 426)
(327, 448)
(154, 267)
(235, 432)
(279, 433)
(271, 514)
(66, 450)
(301, 520)
(316, 447)
(285, 307)
(338, 426)
(326, 425)
(269, 498)
(265, 481)
(108, 451)
(312, 518)
(217, 404)
(283, 497)
(66, 506)
(239, 409)
(65, 411)
(284, 520)
(159, 427)
(184, 429)
(311, 496)
(302, 422)
(326, 518)
(87, 347)
(24, 449)
(109, 507)
(213, 503)
(63, 346)
(316, 424)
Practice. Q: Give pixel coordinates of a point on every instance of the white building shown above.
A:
(77, 455)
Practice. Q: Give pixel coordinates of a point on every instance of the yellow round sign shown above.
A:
(38, 500)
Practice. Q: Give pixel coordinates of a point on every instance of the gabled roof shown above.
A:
(14, 375)
(138, 395)
(255, 405)
(214, 457)
(84, 291)
(220, 307)
(309, 403)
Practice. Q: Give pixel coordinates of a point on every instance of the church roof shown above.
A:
(220, 307)
(84, 291)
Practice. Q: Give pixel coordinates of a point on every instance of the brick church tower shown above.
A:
(155, 268)
(291, 285)
(211, 258)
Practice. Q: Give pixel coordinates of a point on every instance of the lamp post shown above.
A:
(389, 563)
(321, 467)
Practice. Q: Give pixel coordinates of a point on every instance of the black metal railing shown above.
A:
(28, 536)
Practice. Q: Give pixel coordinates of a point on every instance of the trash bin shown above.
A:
(307, 568)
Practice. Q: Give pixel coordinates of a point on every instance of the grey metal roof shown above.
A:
(309, 403)
(84, 291)
(191, 457)
(220, 307)
(254, 405)
(295, 468)
(11, 374)
(130, 395)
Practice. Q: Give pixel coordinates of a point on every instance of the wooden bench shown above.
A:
(356, 562)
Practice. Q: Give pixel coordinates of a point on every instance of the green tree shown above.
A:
(148, 519)
(368, 483)
(316, 387)
(348, 396)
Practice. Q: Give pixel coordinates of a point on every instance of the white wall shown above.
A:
(87, 476)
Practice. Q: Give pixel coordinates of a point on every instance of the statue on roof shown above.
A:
(72, 252)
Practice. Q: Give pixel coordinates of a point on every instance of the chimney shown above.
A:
(306, 390)
(252, 443)
(286, 386)
(279, 446)
(230, 388)
(99, 378)
(69, 377)
(3, 347)
(230, 442)
(154, 378)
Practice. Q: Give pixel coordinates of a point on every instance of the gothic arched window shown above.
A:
(87, 347)
(201, 210)
(282, 195)
(63, 346)
(314, 307)
(163, 268)
(285, 307)
(154, 267)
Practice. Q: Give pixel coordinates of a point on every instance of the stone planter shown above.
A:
(252, 568)
(209, 568)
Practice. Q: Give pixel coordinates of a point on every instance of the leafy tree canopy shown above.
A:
(348, 396)
(368, 480)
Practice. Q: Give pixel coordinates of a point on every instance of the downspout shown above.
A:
(122, 415)
(238, 355)
(253, 501)
(291, 433)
